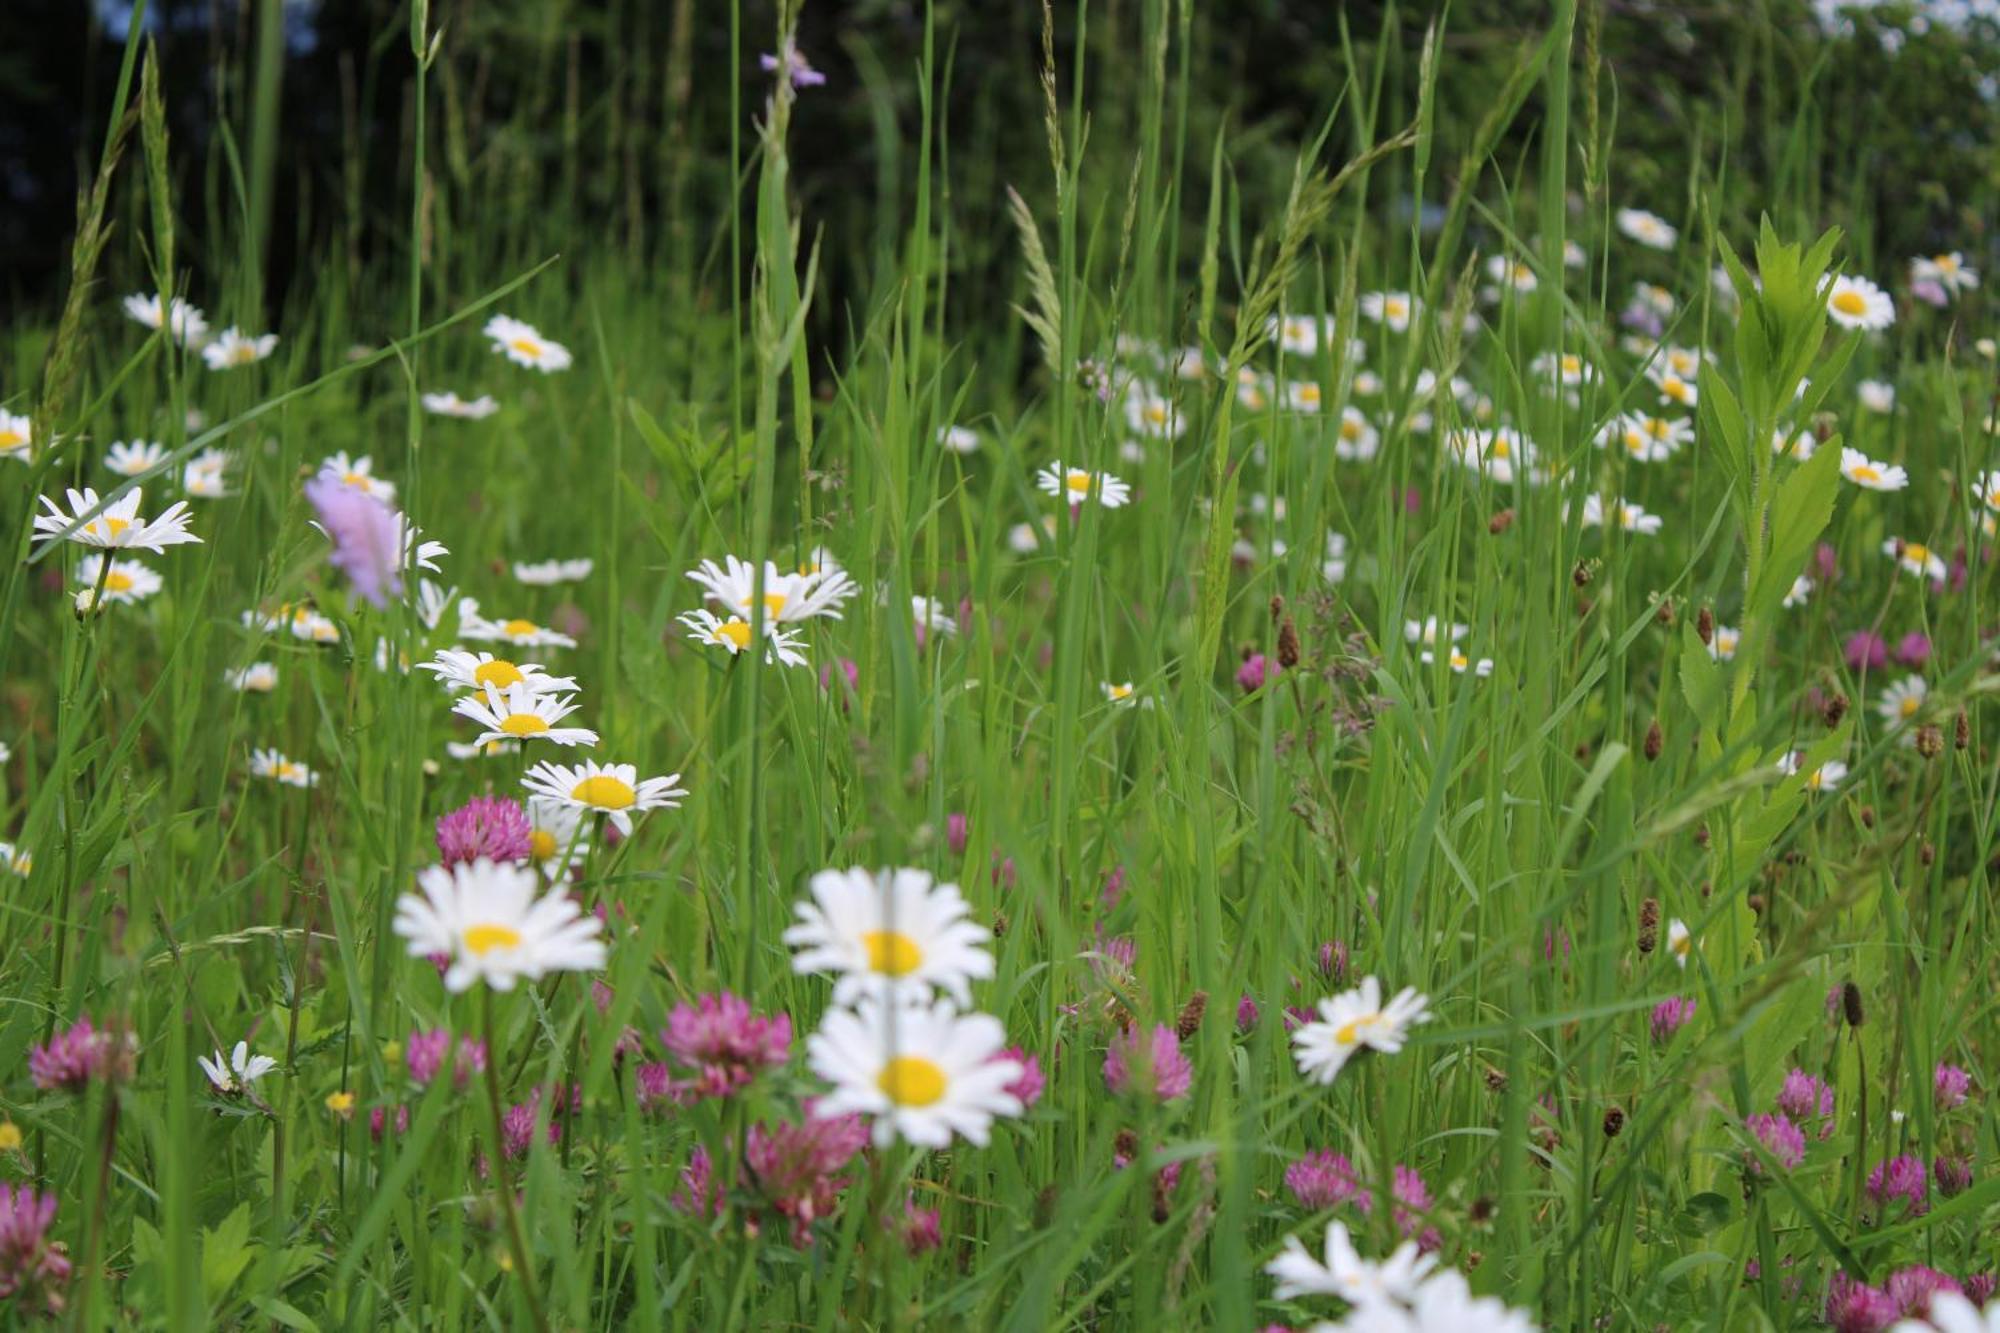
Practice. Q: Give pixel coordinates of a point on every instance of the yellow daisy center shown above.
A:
(526, 347)
(1916, 551)
(1866, 472)
(1946, 263)
(1350, 429)
(1659, 428)
(1078, 481)
(892, 953)
(498, 673)
(603, 791)
(1682, 945)
(243, 353)
(1572, 365)
(911, 1080)
(1394, 309)
(1850, 302)
(1909, 705)
(484, 938)
(1674, 387)
(541, 844)
(1813, 782)
(1501, 449)
(1459, 662)
(523, 724)
(1349, 1032)
(12, 439)
(774, 602)
(1155, 413)
(733, 632)
(1309, 393)
(358, 480)
(107, 528)
(519, 629)
(117, 581)
(1121, 691)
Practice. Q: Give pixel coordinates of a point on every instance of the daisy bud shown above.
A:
(1288, 644)
(1850, 1005)
(1665, 615)
(1614, 1122)
(1580, 576)
(1704, 627)
(1651, 748)
(1191, 1013)
(1930, 741)
(1649, 925)
(1961, 731)
(1500, 522)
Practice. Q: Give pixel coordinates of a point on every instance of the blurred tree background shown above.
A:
(606, 127)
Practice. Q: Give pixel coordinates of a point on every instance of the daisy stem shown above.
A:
(516, 1246)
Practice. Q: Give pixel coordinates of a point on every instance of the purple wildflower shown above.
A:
(1979, 1288)
(1324, 1179)
(1246, 1013)
(1865, 651)
(494, 827)
(1027, 1088)
(1856, 1307)
(1114, 888)
(1413, 1201)
(425, 1053)
(1902, 1178)
(32, 1267)
(380, 1124)
(957, 828)
(1930, 292)
(1912, 1288)
(1913, 649)
(849, 672)
(700, 1193)
(517, 1126)
(1256, 669)
(725, 1042)
(917, 1229)
(1152, 1065)
(798, 1166)
(1781, 1139)
(77, 1055)
(1951, 1085)
(1669, 1016)
(367, 537)
(1953, 1175)
(1333, 960)
(657, 1088)
(801, 73)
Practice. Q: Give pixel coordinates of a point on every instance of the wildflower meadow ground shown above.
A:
(1387, 730)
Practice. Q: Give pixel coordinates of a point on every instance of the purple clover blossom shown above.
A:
(1930, 292)
(78, 1054)
(1256, 669)
(1855, 1307)
(1247, 1013)
(1952, 1175)
(917, 1229)
(1951, 1086)
(1865, 650)
(956, 830)
(657, 1089)
(517, 1126)
(494, 827)
(1912, 1288)
(1670, 1016)
(1148, 1064)
(1902, 1178)
(1413, 1200)
(1980, 1287)
(1781, 1139)
(1325, 1179)
(32, 1268)
(798, 1167)
(725, 1042)
(425, 1053)
(1027, 1086)
(1913, 649)
(700, 1193)
(367, 537)
(1333, 960)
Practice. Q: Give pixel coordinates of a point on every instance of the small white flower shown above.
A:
(1353, 1021)
(257, 678)
(239, 1073)
(1722, 643)
(1877, 396)
(1680, 941)
(1824, 778)
(1345, 1274)
(925, 1072)
(273, 765)
(781, 645)
(1077, 485)
(233, 348)
(1857, 303)
(523, 714)
(1948, 271)
(958, 439)
(1648, 229)
(1870, 475)
(184, 322)
(118, 526)
(550, 572)
(1916, 558)
(524, 345)
(1801, 590)
(488, 920)
(451, 405)
(135, 458)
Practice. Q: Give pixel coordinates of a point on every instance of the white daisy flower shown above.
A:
(519, 713)
(1460, 663)
(1334, 567)
(233, 348)
(1427, 631)
(451, 405)
(257, 678)
(418, 553)
(1077, 485)
(1798, 445)
(1028, 538)
(1631, 517)
(613, 790)
(1514, 274)
(930, 617)
(558, 837)
(549, 572)
(488, 920)
(1123, 695)
(136, 458)
(1500, 454)
(239, 1073)
(788, 598)
(1443, 1303)
(205, 476)
(1345, 1274)
(1722, 643)
(1674, 387)
(1870, 475)
(488, 750)
(16, 437)
(1902, 701)
(1648, 229)
(1392, 309)
(1801, 590)
(359, 474)
(184, 322)
(524, 345)
(1300, 335)
(1303, 396)
(924, 1071)
(958, 439)
(1654, 299)
(119, 526)
(1356, 441)
(1153, 415)
(1356, 1020)
(895, 935)
(127, 581)
(273, 765)
(1986, 485)
(1857, 303)
(18, 860)
(1877, 396)
(1948, 271)
(781, 645)
(432, 602)
(1680, 941)
(520, 633)
(1566, 369)
(1824, 778)
(1916, 558)
(457, 669)
(1253, 389)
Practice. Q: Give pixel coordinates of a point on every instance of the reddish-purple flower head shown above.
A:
(1323, 1179)
(1149, 1064)
(1781, 1139)
(917, 1229)
(1865, 650)
(80, 1053)
(1902, 1178)
(425, 1053)
(1855, 1307)
(33, 1270)
(494, 827)
(1670, 1016)
(367, 537)
(1027, 1088)
(1952, 1085)
(725, 1042)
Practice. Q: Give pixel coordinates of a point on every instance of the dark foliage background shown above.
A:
(606, 124)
